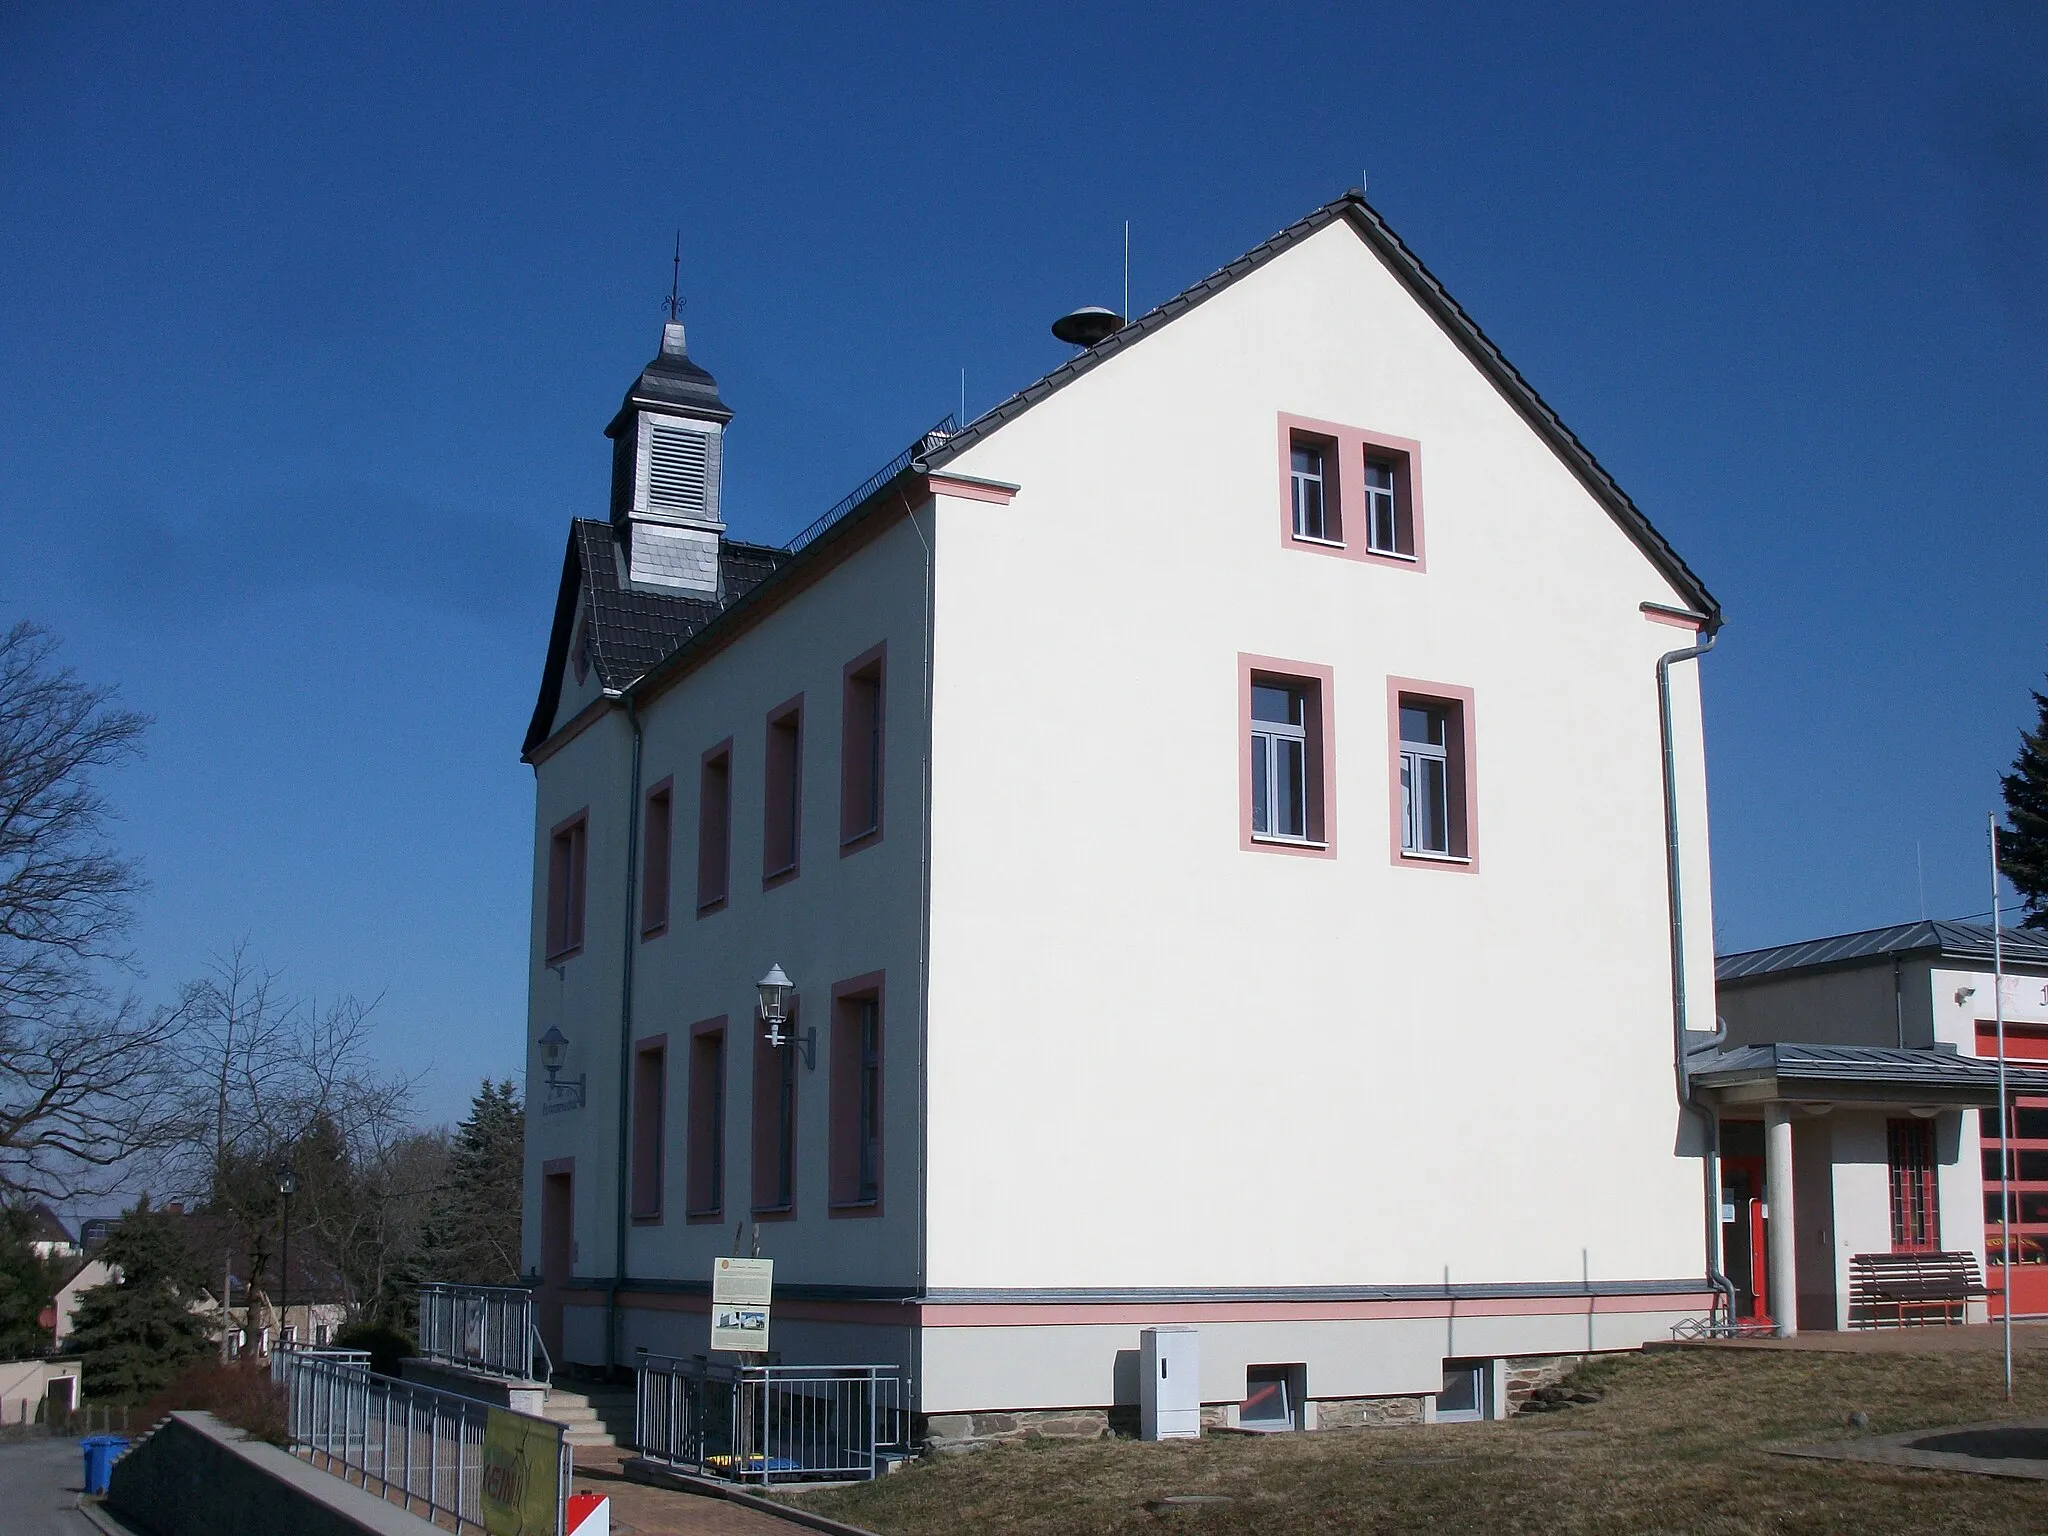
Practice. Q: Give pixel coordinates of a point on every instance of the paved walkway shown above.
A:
(1962, 1339)
(638, 1510)
(39, 1483)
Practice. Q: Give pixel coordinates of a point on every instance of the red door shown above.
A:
(1745, 1247)
(2028, 1142)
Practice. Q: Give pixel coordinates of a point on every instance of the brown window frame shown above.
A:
(704, 1153)
(568, 888)
(862, 749)
(714, 828)
(775, 1111)
(782, 794)
(857, 1101)
(657, 845)
(649, 1130)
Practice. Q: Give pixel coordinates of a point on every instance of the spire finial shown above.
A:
(675, 283)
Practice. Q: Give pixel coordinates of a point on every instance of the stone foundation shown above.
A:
(1526, 1373)
(1367, 1412)
(948, 1434)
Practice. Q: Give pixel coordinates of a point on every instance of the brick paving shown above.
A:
(638, 1510)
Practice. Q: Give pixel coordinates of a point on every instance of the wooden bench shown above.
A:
(1897, 1289)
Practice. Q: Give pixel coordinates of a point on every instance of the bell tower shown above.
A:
(668, 444)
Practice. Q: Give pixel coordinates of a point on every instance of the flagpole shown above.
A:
(2004, 1104)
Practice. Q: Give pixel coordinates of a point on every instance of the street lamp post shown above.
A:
(287, 1186)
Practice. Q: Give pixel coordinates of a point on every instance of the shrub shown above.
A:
(237, 1392)
(387, 1345)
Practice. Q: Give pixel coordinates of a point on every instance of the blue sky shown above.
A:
(312, 319)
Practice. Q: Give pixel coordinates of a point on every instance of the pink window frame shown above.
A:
(792, 707)
(851, 838)
(763, 1127)
(704, 1155)
(650, 1135)
(843, 1095)
(1465, 778)
(568, 941)
(1350, 446)
(653, 926)
(709, 901)
(1321, 730)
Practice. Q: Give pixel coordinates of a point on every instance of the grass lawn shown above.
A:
(1676, 1446)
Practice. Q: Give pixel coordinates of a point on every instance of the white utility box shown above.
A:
(1169, 1384)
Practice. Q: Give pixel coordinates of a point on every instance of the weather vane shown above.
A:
(674, 301)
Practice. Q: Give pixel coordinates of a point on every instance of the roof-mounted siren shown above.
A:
(1086, 326)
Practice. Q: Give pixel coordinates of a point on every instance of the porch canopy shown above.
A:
(1782, 1076)
(1855, 1074)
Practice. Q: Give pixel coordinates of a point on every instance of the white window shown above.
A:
(1279, 762)
(1311, 503)
(1425, 780)
(1467, 1391)
(1382, 526)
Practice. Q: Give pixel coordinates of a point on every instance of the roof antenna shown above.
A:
(674, 301)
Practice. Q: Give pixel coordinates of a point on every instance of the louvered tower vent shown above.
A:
(667, 460)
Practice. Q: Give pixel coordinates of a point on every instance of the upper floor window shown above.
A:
(1279, 761)
(568, 867)
(654, 858)
(1312, 506)
(860, 753)
(1425, 780)
(1284, 736)
(782, 789)
(714, 828)
(1432, 772)
(1351, 493)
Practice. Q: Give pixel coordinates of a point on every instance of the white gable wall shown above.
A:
(1158, 1060)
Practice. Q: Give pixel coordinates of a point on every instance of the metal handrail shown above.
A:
(769, 1423)
(484, 1328)
(422, 1443)
(944, 429)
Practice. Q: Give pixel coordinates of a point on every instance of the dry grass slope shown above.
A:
(1677, 1446)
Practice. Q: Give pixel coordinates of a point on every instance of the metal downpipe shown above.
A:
(1710, 1160)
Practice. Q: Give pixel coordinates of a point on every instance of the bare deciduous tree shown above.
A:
(277, 1078)
(88, 1079)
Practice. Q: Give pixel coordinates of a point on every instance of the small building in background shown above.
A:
(1856, 1086)
(48, 1237)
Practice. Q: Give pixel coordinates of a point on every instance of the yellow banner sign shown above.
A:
(522, 1475)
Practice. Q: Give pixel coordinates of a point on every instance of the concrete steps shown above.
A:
(594, 1416)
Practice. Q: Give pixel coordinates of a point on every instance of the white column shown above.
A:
(1784, 1276)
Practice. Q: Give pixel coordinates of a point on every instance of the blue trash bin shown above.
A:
(100, 1451)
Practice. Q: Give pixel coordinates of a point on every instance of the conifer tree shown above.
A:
(139, 1332)
(475, 1236)
(2023, 844)
(28, 1284)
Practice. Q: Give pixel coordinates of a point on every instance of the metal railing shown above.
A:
(282, 1354)
(422, 1447)
(945, 428)
(487, 1328)
(769, 1423)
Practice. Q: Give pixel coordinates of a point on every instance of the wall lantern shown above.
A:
(562, 1093)
(775, 989)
